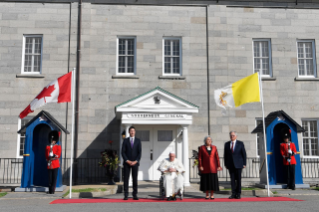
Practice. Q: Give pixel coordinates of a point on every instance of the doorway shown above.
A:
(157, 142)
(39, 167)
(280, 179)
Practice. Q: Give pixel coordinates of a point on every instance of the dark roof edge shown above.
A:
(48, 116)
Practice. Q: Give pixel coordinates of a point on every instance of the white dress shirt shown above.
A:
(234, 144)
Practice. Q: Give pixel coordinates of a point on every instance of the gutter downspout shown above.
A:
(77, 92)
(207, 64)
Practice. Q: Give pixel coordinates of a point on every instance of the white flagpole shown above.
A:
(264, 129)
(72, 137)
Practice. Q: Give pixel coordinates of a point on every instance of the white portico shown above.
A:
(161, 120)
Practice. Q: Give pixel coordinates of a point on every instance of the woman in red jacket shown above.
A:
(208, 164)
(52, 154)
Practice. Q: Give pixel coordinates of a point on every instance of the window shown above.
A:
(306, 58)
(126, 56)
(21, 137)
(310, 138)
(258, 138)
(172, 56)
(32, 54)
(144, 135)
(262, 57)
(165, 135)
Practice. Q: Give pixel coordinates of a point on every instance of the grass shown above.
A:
(316, 188)
(3, 194)
(275, 192)
(84, 190)
(243, 189)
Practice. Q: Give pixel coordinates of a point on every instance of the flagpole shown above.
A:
(72, 137)
(264, 129)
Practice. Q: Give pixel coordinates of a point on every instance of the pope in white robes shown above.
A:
(173, 178)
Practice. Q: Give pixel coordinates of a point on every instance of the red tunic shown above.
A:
(210, 163)
(284, 153)
(55, 162)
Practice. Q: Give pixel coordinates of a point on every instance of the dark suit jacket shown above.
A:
(236, 159)
(132, 154)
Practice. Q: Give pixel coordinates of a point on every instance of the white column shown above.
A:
(127, 127)
(179, 148)
(185, 156)
(120, 152)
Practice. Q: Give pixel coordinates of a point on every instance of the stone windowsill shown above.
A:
(171, 77)
(306, 79)
(125, 77)
(268, 78)
(29, 76)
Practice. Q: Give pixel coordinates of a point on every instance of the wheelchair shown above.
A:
(162, 192)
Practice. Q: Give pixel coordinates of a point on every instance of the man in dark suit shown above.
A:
(131, 153)
(235, 161)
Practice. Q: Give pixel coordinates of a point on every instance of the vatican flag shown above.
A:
(244, 91)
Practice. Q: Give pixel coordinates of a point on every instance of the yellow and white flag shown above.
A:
(244, 91)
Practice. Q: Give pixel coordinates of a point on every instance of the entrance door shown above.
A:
(157, 142)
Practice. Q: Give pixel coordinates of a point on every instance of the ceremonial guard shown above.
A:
(172, 170)
(288, 151)
(52, 154)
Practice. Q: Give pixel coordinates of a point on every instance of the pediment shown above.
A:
(157, 100)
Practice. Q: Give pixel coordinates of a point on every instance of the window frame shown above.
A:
(23, 54)
(118, 55)
(314, 61)
(180, 56)
(269, 56)
(308, 156)
(256, 120)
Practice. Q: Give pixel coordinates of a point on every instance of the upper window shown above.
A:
(262, 57)
(172, 56)
(126, 55)
(32, 54)
(306, 58)
(310, 138)
(21, 137)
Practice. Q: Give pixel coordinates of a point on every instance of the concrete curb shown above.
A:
(261, 192)
(110, 191)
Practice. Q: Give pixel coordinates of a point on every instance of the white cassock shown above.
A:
(172, 177)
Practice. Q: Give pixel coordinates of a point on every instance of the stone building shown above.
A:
(156, 64)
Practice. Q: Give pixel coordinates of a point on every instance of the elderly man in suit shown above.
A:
(235, 161)
(131, 153)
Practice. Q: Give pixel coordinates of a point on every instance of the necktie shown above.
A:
(132, 143)
(232, 147)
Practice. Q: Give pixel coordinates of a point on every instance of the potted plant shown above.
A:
(110, 160)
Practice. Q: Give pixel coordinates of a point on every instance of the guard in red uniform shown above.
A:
(52, 154)
(288, 151)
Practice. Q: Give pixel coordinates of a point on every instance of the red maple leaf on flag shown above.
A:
(46, 92)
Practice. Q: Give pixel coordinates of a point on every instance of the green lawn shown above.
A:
(84, 190)
(243, 189)
(3, 194)
(316, 188)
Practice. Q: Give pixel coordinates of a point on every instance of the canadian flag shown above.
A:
(57, 91)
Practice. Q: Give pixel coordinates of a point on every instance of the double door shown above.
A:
(157, 143)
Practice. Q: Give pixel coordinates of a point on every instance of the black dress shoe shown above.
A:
(171, 198)
(135, 198)
(232, 197)
(238, 196)
(125, 198)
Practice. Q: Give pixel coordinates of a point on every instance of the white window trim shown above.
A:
(18, 140)
(117, 55)
(270, 57)
(303, 155)
(257, 119)
(180, 56)
(313, 56)
(23, 55)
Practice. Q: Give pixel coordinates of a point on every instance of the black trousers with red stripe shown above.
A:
(53, 174)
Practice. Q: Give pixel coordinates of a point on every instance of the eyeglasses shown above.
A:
(232, 135)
